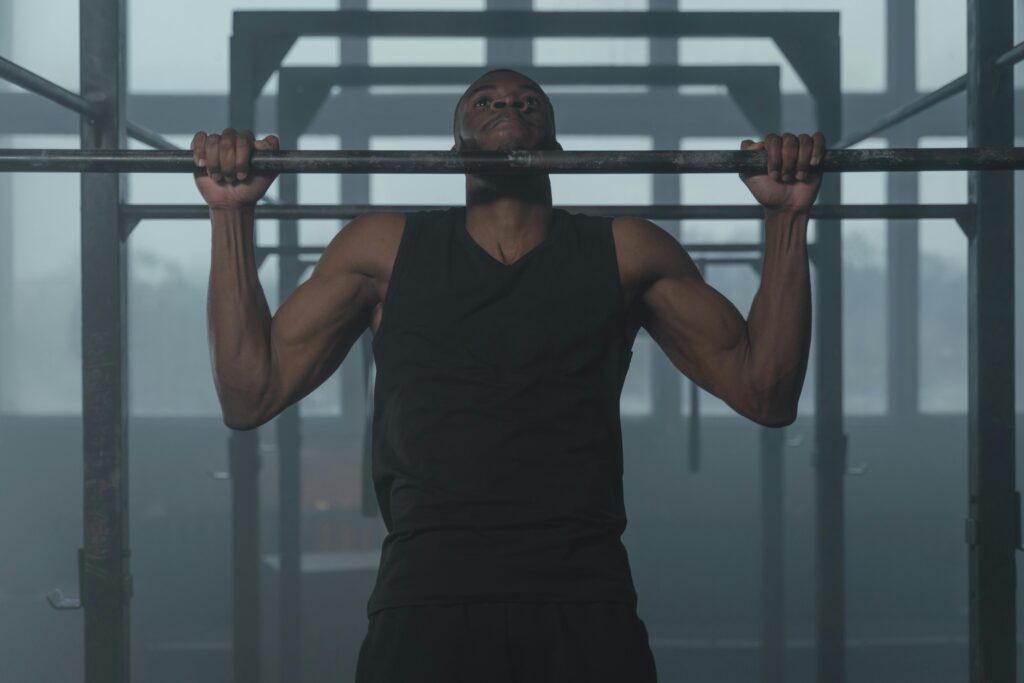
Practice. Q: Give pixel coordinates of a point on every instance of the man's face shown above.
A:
(504, 111)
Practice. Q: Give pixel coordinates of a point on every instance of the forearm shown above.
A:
(238, 317)
(779, 323)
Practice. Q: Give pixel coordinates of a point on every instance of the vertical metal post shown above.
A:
(830, 438)
(773, 602)
(666, 388)
(287, 424)
(903, 294)
(243, 447)
(993, 521)
(106, 575)
(6, 240)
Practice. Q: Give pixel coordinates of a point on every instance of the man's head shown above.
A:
(504, 110)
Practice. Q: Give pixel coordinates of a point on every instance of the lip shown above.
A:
(502, 119)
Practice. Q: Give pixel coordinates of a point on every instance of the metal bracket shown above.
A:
(56, 597)
(971, 531)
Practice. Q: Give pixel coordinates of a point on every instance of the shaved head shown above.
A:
(472, 87)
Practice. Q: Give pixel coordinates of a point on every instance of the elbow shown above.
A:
(240, 425)
(778, 416)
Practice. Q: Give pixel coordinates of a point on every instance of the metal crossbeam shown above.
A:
(35, 83)
(133, 213)
(608, 161)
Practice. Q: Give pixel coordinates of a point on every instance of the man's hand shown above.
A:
(793, 178)
(227, 182)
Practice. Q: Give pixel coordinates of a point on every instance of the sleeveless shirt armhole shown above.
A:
(410, 219)
(620, 293)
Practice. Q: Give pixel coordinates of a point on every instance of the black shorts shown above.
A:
(507, 642)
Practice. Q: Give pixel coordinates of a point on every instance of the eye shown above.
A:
(532, 100)
(482, 101)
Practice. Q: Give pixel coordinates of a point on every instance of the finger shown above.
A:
(227, 154)
(198, 147)
(243, 152)
(213, 155)
(803, 158)
(773, 146)
(790, 147)
(268, 144)
(819, 149)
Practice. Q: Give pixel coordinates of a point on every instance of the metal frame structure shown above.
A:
(993, 527)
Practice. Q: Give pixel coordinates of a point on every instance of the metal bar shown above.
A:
(40, 86)
(606, 161)
(287, 425)
(830, 435)
(138, 212)
(993, 516)
(773, 603)
(106, 557)
(348, 75)
(1011, 56)
(520, 23)
(35, 83)
(954, 87)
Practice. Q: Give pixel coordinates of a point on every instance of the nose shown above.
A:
(510, 99)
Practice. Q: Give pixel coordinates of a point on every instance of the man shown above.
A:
(502, 335)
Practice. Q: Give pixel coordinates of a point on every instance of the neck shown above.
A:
(508, 216)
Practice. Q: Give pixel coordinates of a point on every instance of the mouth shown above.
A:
(504, 119)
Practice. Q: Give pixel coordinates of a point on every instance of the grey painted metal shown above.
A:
(292, 119)
(902, 239)
(954, 87)
(244, 463)
(244, 448)
(773, 601)
(993, 519)
(751, 87)
(133, 213)
(519, 161)
(106, 556)
(1011, 56)
(37, 84)
(830, 436)
(583, 113)
(520, 23)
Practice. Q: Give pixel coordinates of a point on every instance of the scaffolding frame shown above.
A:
(992, 529)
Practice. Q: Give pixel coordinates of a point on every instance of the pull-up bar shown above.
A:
(364, 161)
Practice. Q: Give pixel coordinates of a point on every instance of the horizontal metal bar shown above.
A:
(137, 212)
(607, 161)
(1011, 56)
(294, 250)
(34, 83)
(512, 23)
(350, 75)
(906, 111)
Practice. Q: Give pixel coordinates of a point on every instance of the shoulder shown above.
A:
(366, 245)
(647, 252)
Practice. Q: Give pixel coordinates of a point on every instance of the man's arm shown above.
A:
(263, 364)
(756, 366)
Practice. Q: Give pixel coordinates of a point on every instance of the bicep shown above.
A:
(317, 324)
(699, 329)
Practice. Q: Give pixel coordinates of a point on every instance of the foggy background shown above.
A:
(693, 538)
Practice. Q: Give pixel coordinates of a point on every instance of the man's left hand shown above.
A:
(791, 179)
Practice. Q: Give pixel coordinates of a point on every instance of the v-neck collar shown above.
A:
(463, 230)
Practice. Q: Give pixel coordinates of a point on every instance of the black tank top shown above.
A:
(497, 449)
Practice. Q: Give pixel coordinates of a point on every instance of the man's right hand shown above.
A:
(223, 175)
